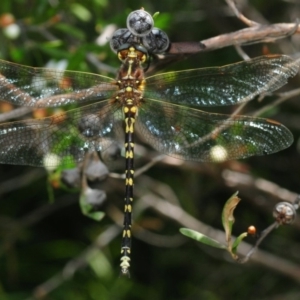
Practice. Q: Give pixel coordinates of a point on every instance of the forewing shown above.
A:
(225, 85)
(67, 136)
(200, 136)
(41, 87)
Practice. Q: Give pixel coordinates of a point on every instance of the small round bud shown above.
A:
(284, 213)
(251, 230)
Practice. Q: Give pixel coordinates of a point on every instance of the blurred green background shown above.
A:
(50, 244)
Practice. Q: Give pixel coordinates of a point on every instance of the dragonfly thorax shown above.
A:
(130, 79)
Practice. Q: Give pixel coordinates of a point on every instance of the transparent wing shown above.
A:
(41, 87)
(225, 85)
(200, 136)
(68, 136)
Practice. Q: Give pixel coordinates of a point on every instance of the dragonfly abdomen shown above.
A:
(130, 112)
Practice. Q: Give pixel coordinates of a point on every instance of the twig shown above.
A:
(141, 170)
(239, 15)
(282, 97)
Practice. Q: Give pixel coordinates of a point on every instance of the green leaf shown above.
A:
(227, 215)
(52, 44)
(162, 20)
(237, 242)
(80, 12)
(201, 238)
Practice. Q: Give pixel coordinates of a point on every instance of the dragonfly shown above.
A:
(164, 109)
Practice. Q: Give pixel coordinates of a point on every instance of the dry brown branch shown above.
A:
(255, 34)
(246, 36)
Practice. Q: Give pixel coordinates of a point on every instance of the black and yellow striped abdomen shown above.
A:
(129, 115)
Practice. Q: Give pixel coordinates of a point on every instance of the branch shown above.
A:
(246, 36)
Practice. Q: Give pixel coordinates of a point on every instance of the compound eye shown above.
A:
(120, 37)
(140, 22)
(157, 41)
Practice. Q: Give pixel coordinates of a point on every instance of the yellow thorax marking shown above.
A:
(133, 109)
